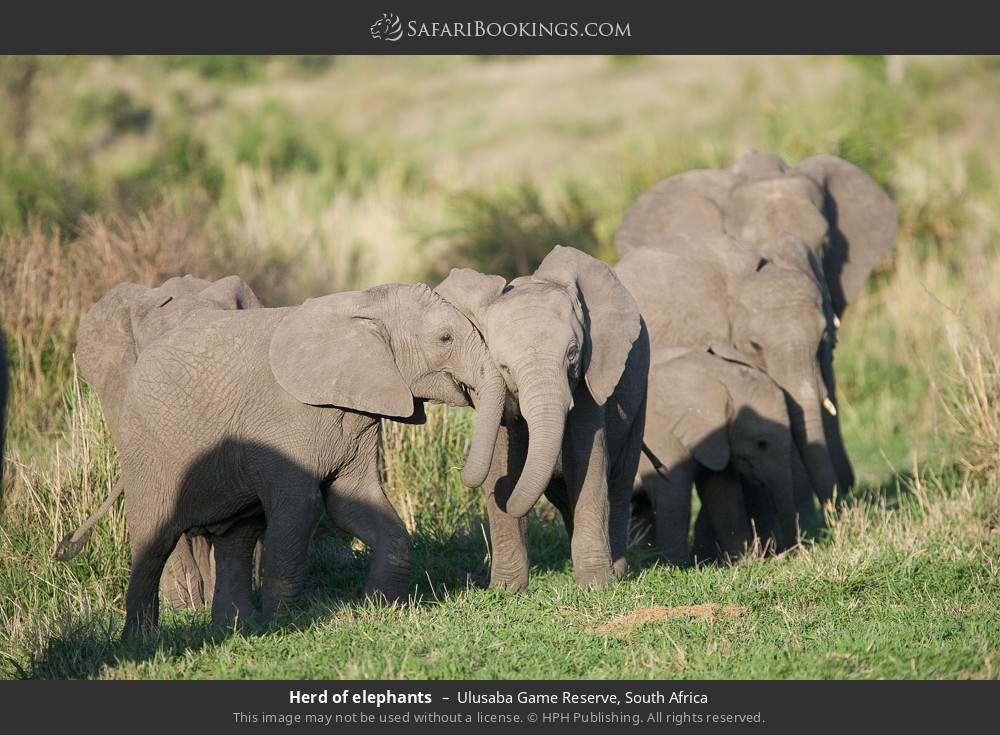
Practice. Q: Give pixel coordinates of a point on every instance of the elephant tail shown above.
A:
(660, 468)
(73, 543)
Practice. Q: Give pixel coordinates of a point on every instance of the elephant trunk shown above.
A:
(490, 392)
(808, 428)
(544, 410)
(835, 441)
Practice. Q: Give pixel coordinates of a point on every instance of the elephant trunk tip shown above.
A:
(474, 476)
(518, 506)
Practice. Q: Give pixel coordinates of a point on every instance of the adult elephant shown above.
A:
(110, 339)
(251, 419)
(845, 218)
(572, 350)
(714, 289)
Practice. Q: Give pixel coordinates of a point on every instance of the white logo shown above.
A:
(387, 28)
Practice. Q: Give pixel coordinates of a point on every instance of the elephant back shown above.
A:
(130, 318)
(846, 219)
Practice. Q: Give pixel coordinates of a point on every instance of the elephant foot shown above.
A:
(396, 594)
(619, 568)
(515, 582)
(680, 561)
(234, 614)
(139, 629)
(595, 576)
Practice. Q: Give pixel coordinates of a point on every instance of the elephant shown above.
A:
(714, 289)
(254, 419)
(110, 338)
(573, 352)
(715, 421)
(845, 218)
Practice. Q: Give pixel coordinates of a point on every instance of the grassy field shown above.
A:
(307, 175)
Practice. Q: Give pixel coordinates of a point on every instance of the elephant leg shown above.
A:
(721, 496)
(509, 556)
(152, 540)
(585, 467)
(559, 497)
(671, 497)
(182, 584)
(234, 554)
(642, 525)
(204, 558)
(357, 504)
(706, 543)
(620, 484)
(291, 516)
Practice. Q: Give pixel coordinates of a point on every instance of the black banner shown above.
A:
(450, 27)
(455, 706)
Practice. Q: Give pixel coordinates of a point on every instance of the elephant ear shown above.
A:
(231, 292)
(691, 202)
(471, 292)
(695, 408)
(332, 351)
(611, 315)
(105, 344)
(863, 225)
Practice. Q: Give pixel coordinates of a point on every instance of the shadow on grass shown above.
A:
(444, 567)
(891, 492)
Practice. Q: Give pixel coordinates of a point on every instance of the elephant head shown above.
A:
(780, 321)
(377, 350)
(844, 217)
(571, 321)
(130, 317)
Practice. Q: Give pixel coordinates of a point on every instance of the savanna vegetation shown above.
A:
(308, 175)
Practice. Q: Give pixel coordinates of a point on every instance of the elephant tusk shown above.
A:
(836, 322)
(828, 405)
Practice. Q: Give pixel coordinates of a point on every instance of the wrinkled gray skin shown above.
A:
(713, 289)
(111, 336)
(715, 421)
(571, 347)
(247, 419)
(844, 217)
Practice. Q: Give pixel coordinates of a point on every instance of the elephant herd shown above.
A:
(703, 360)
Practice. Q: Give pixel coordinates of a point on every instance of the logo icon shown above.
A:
(387, 28)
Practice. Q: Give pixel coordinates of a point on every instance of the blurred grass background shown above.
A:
(308, 175)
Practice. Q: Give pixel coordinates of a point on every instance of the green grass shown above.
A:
(902, 584)
(917, 605)
(309, 175)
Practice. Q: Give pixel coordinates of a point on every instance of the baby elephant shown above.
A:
(718, 423)
(254, 419)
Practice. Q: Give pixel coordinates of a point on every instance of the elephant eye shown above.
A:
(445, 338)
(762, 443)
(573, 353)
